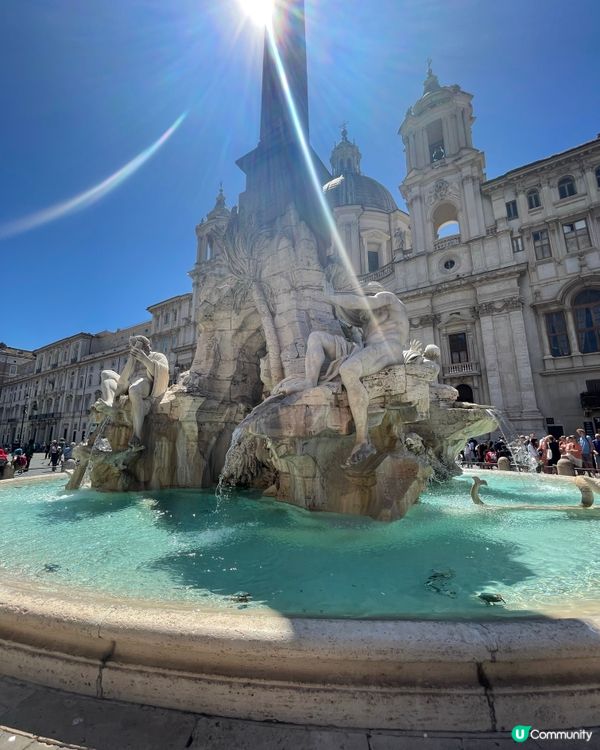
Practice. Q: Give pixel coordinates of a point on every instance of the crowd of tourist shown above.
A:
(55, 452)
(582, 450)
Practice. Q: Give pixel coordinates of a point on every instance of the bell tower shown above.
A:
(443, 169)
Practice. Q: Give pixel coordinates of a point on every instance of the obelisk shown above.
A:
(277, 172)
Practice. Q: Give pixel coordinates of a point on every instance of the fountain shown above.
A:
(306, 391)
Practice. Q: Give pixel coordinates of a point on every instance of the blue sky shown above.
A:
(87, 86)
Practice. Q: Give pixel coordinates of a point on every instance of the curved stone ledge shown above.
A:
(411, 675)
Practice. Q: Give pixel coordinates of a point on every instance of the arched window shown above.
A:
(435, 139)
(445, 221)
(586, 310)
(465, 393)
(533, 199)
(566, 187)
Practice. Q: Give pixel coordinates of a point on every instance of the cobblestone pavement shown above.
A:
(35, 717)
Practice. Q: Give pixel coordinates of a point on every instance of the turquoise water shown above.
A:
(187, 546)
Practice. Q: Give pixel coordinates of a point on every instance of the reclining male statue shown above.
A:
(384, 323)
(144, 379)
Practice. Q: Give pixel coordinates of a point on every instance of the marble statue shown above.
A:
(144, 379)
(381, 317)
(400, 237)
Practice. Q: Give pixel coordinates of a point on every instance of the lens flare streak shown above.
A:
(91, 196)
(302, 140)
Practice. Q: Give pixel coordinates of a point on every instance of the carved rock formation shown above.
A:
(307, 437)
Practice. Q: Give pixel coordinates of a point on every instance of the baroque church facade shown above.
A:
(502, 274)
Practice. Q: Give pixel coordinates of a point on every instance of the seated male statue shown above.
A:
(144, 379)
(385, 327)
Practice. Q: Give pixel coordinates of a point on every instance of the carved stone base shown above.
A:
(415, 429)
(184, 442)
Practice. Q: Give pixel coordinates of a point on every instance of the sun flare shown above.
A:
(258, 11)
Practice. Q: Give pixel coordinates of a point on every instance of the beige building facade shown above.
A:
(48, 394)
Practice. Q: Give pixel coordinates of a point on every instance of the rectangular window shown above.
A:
(576, 235)
(541, 244)
(533, 200)
(373, 259)
(511, 210)
(517, 244)
(458, 348)
(556, 328)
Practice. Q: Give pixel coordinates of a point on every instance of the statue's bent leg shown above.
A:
(320, 345)
(367, 361)
(358, 400)
(140, 406)
(108, 385)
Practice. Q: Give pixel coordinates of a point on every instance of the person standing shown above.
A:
(587, 460)
(29, 451)
(54, 454)
(596, 445)
(573, 451)
(554, 450)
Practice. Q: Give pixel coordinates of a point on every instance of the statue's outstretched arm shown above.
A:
(351, 301)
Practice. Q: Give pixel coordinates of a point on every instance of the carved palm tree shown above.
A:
(244, 248)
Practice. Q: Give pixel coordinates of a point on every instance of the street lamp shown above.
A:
(22, 421)
(34, 408)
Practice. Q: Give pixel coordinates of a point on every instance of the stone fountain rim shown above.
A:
(349, 673)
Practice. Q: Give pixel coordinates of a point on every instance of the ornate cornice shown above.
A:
(425, 320)
(500, 306)
(466, 281)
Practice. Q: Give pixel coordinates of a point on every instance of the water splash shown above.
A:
(521, 457)
(100, 445)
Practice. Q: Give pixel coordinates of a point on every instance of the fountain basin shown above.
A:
(379, 674)
(395, 673)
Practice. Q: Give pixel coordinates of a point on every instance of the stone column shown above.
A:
(572, 332)
(409, 149)
(492, 365)
(473, 209)
(423, 147)
(446, 137)
(417, 224)
(521, 352)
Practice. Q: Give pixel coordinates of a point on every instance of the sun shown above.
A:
(258, 11)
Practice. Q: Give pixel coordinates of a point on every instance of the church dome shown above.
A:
(351, 188)
(355, 189)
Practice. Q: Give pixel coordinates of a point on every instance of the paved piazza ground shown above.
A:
(33, 717)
